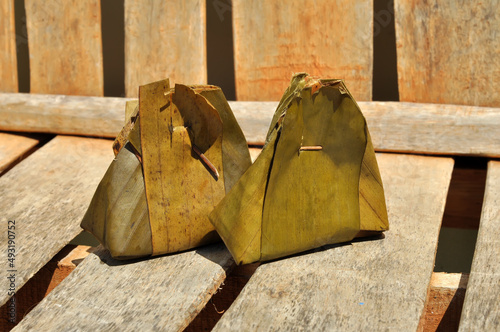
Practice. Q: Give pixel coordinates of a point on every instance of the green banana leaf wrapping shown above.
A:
(316, 181)
(178, 154)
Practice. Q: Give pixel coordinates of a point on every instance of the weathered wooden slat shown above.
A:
(325, 38)
(394, 126)
(445, 301)
(8, 57)
(433, 128)
(164, 39)
(13, 148)
(448, 51)
(65, 46)
(481, 311)
(46, 195)
(160, 294)
(375, 284)
(59, 114)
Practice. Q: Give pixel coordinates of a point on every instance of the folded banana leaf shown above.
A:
(179, 152)
(316, 181)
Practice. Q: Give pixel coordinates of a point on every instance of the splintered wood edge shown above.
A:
(76, 256)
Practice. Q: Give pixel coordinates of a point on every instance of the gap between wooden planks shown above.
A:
(46, 195)
(443, 309)
(364, 284)
(481, 306)
(47, 313)
(394, 126)
(13, 148)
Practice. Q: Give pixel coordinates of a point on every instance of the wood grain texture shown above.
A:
(161, 294)
(273, 40)
(447, 51)
(404, 127)
(65, 47)
(364, 285)
(481, 310)
(59, 114)
(394, 126)
(13, 148)
(35, 289)
(164, 39)
(8, 56)
(433, 128)
(47, 194)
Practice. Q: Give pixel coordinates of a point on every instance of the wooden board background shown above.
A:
(375, 284)
(47, 194)
(164, 39)
(273, 40)
(65, 46)
(8, 57)
(447, 51)
(160, 294)
(481, 311)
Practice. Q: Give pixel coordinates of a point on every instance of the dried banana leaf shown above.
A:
(316, 181)
(179, 152)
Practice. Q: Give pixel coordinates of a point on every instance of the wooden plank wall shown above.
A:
(65, 46)
(8, 57)
(164, 39)
(447, 51)
(272, 40)
(12, 147)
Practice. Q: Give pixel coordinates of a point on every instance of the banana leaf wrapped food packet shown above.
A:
(179, 152)
(316, 181)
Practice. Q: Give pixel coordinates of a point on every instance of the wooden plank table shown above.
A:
(415, 210)
(46, 195)
(481, 311)
(159, 294)
(396, 272)
(366, 285)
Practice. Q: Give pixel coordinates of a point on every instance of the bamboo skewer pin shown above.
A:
(206, 162)
(311, 148)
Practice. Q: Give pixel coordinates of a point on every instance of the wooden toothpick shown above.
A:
(206, 162)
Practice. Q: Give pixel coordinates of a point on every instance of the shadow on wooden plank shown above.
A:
(366, 285)
(39, 286)
(481, 311)
(163, 293)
